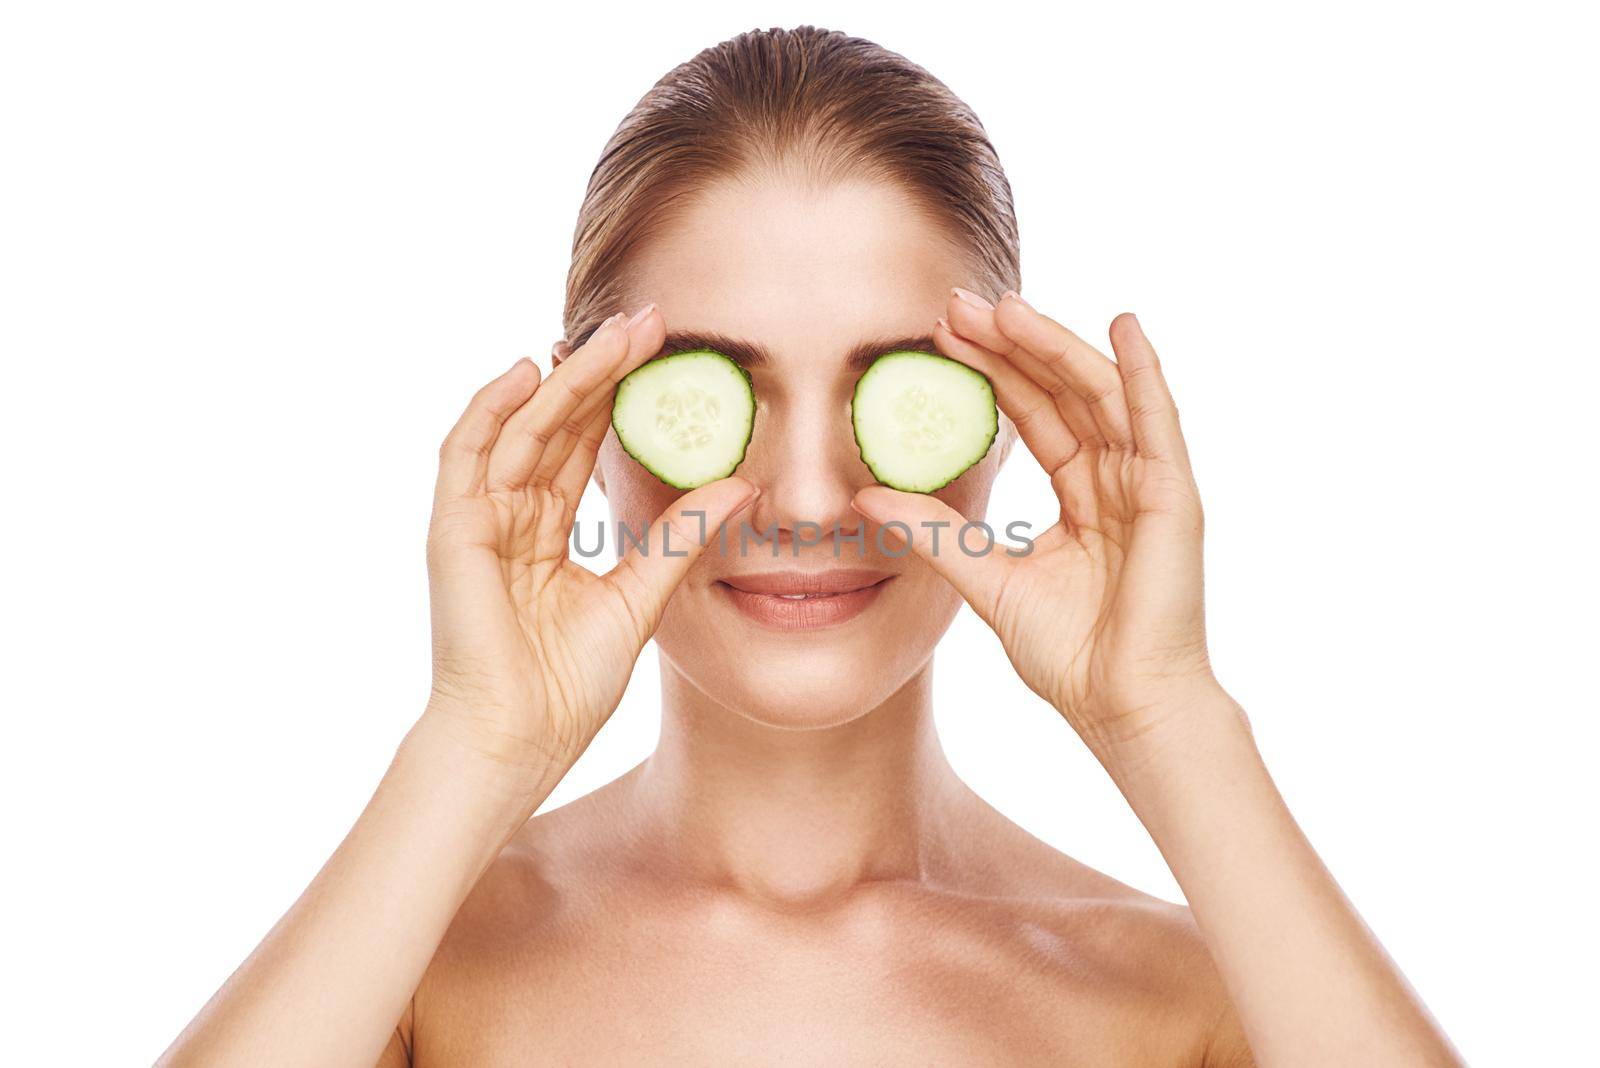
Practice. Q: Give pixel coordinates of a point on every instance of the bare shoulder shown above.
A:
(1105, 945)
(1009, 944)
(536, 908)
(530, 893)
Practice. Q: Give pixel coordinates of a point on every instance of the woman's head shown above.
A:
(807, 194)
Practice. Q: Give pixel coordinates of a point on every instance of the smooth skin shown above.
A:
(796, 874)
(531, 654)
(1105, 620)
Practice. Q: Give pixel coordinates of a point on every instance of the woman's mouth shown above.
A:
(804, 600)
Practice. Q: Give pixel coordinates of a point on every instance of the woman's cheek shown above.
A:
(635, 496)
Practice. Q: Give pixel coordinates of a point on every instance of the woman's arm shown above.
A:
(1309, 981)
(531, 654)
(329, 982)
(1104, 619)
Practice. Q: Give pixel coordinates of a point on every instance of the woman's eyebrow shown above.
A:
(753, 354)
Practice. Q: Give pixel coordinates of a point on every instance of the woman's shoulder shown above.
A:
(1003, 886)
(1004, 926)
(1086, 951)
(1082, 924)
(567, 865)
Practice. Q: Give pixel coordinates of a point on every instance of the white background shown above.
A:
(255, 259)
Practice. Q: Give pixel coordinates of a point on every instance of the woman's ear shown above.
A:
(558, 352)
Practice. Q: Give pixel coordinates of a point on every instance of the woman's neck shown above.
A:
(799, 817)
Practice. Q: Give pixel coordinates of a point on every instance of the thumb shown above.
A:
(963, 552)
(652, 566)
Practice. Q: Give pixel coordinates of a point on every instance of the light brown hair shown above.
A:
(806, 102)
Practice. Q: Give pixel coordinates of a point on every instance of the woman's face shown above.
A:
(806, 276)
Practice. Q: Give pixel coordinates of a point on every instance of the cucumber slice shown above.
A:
(686, 417)
(921, 419)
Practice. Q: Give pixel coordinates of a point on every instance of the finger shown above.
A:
(971, 562)
(554, 406)
(464, 456)
(1151, 409)
(647, 574)
(569, 483)
(1089, 372)
(1038, 420)
(553, 458)
(973, 317)
(593, 369)
(1040, 423)
(1074, 477)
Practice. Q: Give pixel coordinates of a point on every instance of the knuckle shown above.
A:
(1058, 388)
(1144, 407)
(536, 435)
(1028, 416)
(680, 538)
(1104, 392)
(464, 443)
(1058, 352)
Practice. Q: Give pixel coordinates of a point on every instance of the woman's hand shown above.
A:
(531, 654)
(1103, 618)
(531, 651)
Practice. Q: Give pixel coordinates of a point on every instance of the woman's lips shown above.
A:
(800, 600)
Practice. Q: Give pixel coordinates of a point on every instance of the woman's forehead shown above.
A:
(790, 267)
(760, 240)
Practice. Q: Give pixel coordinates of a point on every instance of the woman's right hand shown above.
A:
(531, 651)
(530, 655)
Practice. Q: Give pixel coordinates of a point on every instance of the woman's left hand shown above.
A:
(1103, 617)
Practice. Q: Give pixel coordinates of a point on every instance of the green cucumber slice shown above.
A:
(921, 419)
(686, 417)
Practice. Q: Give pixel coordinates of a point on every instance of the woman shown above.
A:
(796, 873)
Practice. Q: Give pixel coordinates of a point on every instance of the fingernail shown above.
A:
(942, 321)
(639, 315)
(1014, 295)
(971, 298)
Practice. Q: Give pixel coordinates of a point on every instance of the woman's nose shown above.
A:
(803, 455)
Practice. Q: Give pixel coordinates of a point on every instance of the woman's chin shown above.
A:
(795, 686)
(806, 718)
